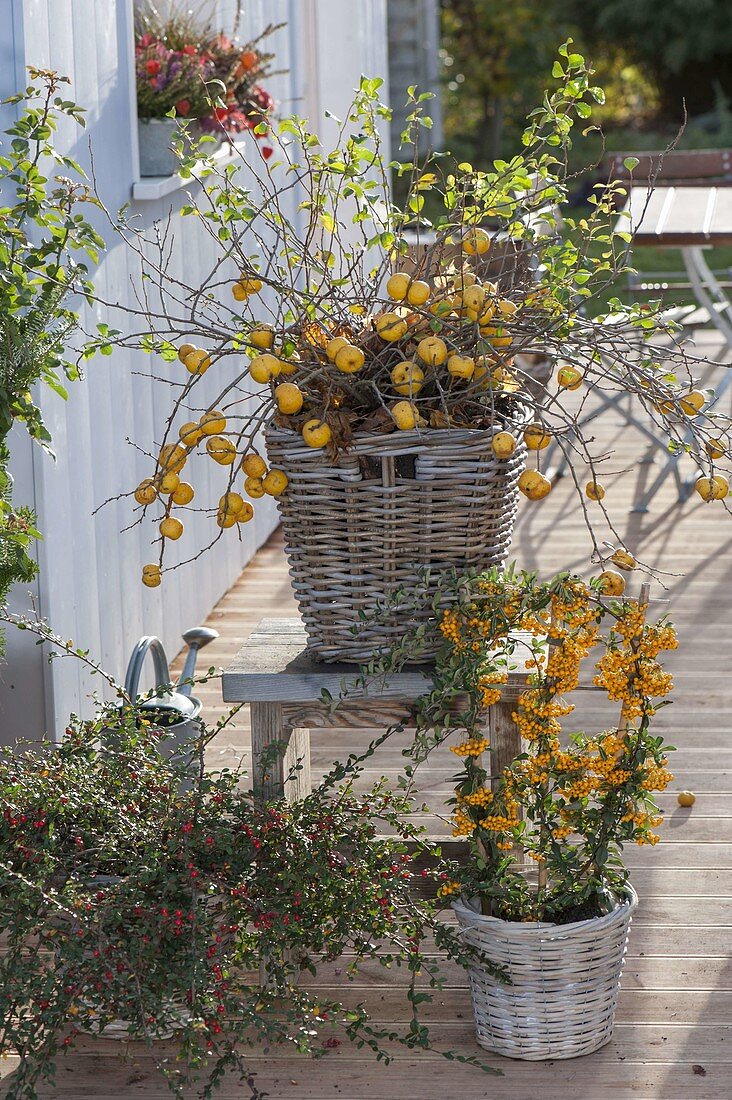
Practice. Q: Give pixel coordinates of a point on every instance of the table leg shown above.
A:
(280, 755)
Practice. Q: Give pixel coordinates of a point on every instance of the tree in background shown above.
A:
(649, 56)
(496, 59)
(684, 45)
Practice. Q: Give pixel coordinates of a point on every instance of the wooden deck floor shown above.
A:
(672, 1039)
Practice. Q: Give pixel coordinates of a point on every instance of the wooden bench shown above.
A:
(284, 685)
(689, 166)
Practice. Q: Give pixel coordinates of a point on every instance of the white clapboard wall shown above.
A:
(89, 587)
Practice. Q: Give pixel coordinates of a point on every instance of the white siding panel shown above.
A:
(89, 587)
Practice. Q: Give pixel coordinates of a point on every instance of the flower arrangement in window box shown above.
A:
(171, 84)
(247, 105)
(185, 70)
(411, 365)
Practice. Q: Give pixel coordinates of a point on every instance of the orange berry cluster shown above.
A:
(498, 823)
(463, 824)
(474, 746)
(482, 797)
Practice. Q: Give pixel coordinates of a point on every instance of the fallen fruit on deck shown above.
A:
(686, 798)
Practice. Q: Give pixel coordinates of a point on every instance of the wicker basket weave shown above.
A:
(391, 506)
(565, 982)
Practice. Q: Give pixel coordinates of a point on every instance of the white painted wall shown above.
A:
(89, 585)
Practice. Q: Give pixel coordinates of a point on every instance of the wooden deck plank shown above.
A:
(605, 1075)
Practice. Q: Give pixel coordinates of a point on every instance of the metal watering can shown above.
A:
(177, 710)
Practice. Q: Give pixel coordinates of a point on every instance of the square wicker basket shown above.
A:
(391, 506)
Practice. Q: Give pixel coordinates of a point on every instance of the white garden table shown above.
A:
(693, 218)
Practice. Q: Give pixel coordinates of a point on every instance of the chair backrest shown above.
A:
(691, 166)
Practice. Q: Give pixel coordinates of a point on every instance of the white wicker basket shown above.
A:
(564, 986)
(362, 527)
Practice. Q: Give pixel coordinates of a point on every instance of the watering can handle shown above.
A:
(134, 668)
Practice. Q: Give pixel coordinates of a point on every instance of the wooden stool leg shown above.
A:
(504, 736)
(296, 764)
(284, 772)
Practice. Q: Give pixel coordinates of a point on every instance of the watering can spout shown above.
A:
(195, 638)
